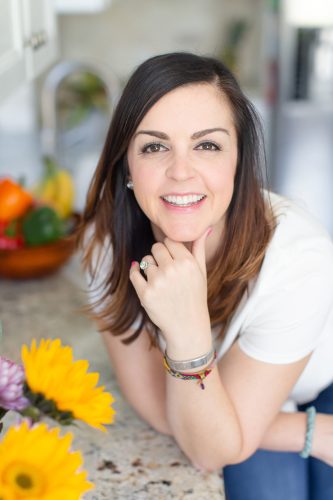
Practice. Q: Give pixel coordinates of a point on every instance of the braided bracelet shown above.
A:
(199, 376)
(311, 415)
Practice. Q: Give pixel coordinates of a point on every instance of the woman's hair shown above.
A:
(113, 221)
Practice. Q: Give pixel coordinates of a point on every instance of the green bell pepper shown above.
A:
(42, 225)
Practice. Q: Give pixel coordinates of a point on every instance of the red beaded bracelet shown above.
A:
(199, 376)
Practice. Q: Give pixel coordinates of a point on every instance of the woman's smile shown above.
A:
(183, 202)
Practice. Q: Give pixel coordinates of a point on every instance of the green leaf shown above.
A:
(11, 229)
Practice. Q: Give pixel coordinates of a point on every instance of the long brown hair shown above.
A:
(116, 224)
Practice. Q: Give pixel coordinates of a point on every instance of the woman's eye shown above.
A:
(208, 146)
(153, 147)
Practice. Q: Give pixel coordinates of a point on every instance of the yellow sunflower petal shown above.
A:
(6, 493)
(50, 370)
(37, 462)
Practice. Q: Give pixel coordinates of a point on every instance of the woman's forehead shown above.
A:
(190, 106)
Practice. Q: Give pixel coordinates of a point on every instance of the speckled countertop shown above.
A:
(132, 461)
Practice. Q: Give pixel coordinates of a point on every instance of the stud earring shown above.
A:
(130, 184)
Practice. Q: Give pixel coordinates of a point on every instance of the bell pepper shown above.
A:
(11, 243)
(42, 225)
(14, 200)
(10, 236)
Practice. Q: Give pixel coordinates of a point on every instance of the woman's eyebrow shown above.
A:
(201, 133)
(196, 135)
(155, 133)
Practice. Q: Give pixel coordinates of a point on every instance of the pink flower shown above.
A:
(11, 386)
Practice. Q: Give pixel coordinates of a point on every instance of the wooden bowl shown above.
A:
(36, 262)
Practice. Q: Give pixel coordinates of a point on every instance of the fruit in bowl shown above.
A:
(36, 234)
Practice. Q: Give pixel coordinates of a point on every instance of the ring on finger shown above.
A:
(144, 264)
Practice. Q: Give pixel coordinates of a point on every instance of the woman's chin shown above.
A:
(179, 234)
(183, 236)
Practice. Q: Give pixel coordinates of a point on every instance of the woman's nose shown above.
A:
(180, 168)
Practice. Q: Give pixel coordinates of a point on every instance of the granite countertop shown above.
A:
(132, 461)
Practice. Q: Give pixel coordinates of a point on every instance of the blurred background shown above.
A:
(63, 64)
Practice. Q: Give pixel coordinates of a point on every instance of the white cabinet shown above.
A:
(81, 6)
(12, 63)
(28, 41)
(39, 28)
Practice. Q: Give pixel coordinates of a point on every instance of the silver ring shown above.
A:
(144, 264)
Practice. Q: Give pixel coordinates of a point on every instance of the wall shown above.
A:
(131, 31)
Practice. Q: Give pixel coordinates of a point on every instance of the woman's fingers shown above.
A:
(164, 254)
(137, 280)
(179, 251)
(148, 264)
(176, 250)
(161, 254)
(199, 250)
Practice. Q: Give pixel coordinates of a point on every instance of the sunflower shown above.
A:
(56, 383)
(36, 463)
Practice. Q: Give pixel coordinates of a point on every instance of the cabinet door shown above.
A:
(81, 6)
(12, 64)
(39, 27)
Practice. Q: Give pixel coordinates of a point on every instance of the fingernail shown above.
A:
(133, 263)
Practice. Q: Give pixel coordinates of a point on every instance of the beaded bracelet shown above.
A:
(311, 415)
(199, 376)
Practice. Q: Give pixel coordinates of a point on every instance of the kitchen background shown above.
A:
(64, 63)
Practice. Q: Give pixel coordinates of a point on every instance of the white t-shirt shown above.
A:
(288, 312)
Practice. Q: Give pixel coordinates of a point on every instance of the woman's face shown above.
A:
(182, 161)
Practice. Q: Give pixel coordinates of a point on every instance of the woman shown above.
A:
(188, 253)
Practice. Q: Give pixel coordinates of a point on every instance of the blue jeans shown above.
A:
(270, 475)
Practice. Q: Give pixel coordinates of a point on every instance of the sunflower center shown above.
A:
(24, 479)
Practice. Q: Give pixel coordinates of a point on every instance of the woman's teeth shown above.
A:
(184, 201)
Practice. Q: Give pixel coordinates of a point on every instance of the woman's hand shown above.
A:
(175, 294)
(322, 444)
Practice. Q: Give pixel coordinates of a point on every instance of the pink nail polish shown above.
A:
(133, 263)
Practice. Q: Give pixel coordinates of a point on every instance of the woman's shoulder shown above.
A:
(295, 225)
(300, 247)
(100, 256)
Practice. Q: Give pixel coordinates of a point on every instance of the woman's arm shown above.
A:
(226, 422)
(287, 433)
(142, 379)
(140, 374)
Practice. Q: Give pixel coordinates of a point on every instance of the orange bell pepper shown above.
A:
(14, 200)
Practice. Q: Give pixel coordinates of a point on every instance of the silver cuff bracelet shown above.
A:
(190, 363)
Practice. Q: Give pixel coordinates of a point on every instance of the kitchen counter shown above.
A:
(132, 461)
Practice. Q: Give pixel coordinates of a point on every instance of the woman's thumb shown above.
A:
(199, 249)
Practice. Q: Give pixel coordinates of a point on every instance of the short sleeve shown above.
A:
(101, 266)
(293, 309)
(101, 262)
